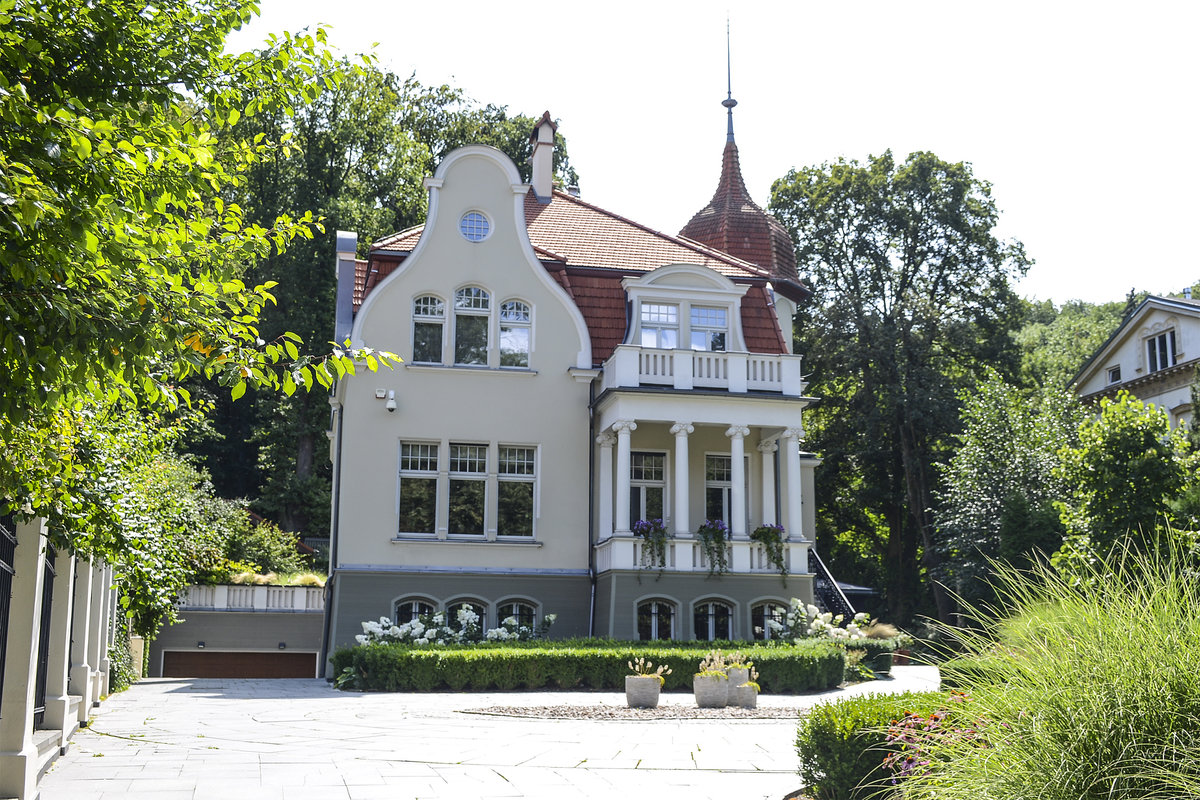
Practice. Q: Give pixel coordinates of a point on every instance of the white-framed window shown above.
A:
(429, 323)
(761, 614)
(418, 487)
(474, 226)
(712, 619)
(718, 484)
(656, 620)
(710, 328)
(1160, 351)
(515, 329)
(660, 325)
(524, 612)
(647, 485)
(516, 476)
(410, 608)
(468, 489)
(478, 606)
(472, 315)
(1114, 374)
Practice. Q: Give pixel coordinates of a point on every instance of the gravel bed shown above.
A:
(623, 713)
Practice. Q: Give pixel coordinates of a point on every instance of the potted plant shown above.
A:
(771, 538)
(711, 683)
(743, 691)
(745, 694)
(714, 536)
(643, 686)
(654, 534)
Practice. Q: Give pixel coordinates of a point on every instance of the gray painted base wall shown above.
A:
(237, 630)
(619, 593)
(361, 596)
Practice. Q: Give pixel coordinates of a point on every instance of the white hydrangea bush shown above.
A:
(809, 622)
(431, 629)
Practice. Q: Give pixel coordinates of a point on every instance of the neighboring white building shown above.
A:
(567, 372)
(1153, 355)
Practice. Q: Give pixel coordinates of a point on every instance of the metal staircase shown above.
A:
(826, 590)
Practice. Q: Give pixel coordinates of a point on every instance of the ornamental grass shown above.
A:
(1088, 689)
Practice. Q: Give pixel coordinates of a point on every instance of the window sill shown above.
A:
(471, 368)
(507, 542)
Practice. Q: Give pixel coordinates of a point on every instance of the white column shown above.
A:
(606, 440)
(18, 753)
(96, 634)
(57, 701)
(768, 449)
(791, 452)
(110, 603)
(680, 431)
(623, 427)
(737, 492)
(81, 670)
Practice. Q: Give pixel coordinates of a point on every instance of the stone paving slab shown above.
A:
(211, 739)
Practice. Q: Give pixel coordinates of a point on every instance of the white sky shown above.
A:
(1082, 115)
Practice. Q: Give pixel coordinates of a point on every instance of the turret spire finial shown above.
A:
(728, 102)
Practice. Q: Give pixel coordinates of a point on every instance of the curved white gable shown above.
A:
(442, 182)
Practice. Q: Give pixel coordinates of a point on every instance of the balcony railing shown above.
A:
(632, 366)
(687, 555)
(276, 599)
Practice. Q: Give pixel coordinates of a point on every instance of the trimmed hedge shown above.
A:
(803, 667)
(842, 745)
(877, 653)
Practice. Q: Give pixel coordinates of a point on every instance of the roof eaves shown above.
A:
(1177, 303)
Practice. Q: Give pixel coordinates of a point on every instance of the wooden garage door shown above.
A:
(216, 664)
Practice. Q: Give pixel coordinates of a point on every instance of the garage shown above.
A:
(235, 664)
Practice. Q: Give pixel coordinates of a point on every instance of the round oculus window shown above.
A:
(474, 226)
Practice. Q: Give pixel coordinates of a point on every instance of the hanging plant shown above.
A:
(654, 534)
(771, 538)
(714, 536)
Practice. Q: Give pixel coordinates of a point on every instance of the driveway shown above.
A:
(198, 739)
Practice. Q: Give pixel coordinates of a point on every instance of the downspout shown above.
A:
(591, 507)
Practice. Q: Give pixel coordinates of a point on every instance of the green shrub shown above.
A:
(804, 667)
(842, 744)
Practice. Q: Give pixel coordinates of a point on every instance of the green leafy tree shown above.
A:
(911, 298)
(1000, 486)
(1124, 474)
(1055, 343)
(121, 258)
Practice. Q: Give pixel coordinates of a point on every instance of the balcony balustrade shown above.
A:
(276, 599)
(687, 555)
(634, 366)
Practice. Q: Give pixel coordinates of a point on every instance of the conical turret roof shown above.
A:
(734, 224)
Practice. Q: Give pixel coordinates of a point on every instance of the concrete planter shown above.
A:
(641, 691)
(743, 696)
(712, 691)
(737, 675)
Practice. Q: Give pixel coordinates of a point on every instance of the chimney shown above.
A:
(347, 247)
(1187, 293)
(543, 157)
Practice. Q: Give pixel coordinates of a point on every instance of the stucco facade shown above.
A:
(566, 373)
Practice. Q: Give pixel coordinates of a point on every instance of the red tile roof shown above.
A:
(589, 251)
